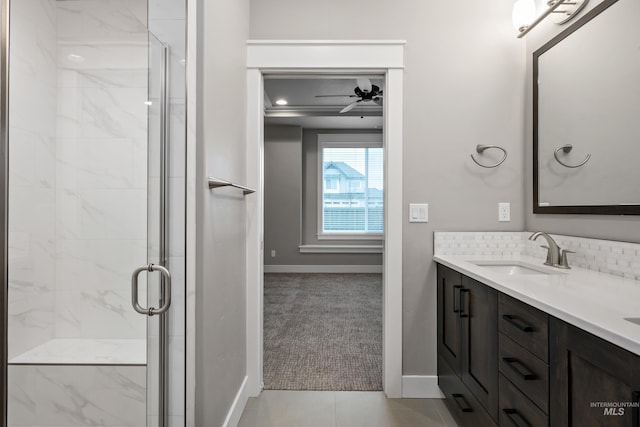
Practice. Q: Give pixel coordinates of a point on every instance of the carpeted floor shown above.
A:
(323, 332)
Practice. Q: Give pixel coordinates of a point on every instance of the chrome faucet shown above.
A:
(556, 257)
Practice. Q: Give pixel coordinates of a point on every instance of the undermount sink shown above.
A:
(511, 268)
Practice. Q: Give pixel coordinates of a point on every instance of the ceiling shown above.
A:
(308, 111)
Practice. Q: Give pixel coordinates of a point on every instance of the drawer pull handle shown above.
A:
(464, 303)
(519, 368)
(462, 402)
(517, 323)
(456, 298)
(515, 418)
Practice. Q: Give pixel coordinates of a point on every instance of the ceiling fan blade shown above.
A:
(330, 96)
(378, 100)
(350, 106)
(364, 85)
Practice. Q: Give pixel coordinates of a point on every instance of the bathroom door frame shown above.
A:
(283, 57)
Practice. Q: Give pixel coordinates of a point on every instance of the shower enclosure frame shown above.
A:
(4, 182)
(163, 253)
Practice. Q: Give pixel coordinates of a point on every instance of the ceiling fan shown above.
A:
(365, 92)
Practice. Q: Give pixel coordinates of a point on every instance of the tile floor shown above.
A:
(275, 408)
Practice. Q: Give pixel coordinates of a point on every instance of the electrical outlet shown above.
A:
(504, 212)
(273, 253)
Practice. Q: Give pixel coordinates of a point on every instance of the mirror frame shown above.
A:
(569, 209)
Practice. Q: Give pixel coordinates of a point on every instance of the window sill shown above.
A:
(340, 249)
(350, 236)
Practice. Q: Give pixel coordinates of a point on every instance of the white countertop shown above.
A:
(595, 302)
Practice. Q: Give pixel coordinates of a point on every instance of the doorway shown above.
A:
(385, 58)
(323, 192)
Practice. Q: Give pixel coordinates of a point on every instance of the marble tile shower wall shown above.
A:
(79, 396)
(31, 236)
(606, 256)
(101, 166)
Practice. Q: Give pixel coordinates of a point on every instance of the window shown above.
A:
(352, 194)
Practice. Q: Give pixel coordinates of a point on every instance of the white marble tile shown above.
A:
(86, 352)
(114, 112)
(32, 157)
(69, 113)
(90, 56)
(177, 142)
(21, 399)
(177, 217)
(97, 264)
(139, 157)
(114, 214)
(98, 314)
(30, 321)
(68, 214)
(88, 395)
(109, 78)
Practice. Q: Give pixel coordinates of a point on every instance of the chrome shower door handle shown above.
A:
(165, 294)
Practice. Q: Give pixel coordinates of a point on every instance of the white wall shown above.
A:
(611, 227)
(464, 85)
(220, 336)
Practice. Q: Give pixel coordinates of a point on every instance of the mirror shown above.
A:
(586, 124)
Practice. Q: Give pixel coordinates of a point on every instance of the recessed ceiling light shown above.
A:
(281, 102)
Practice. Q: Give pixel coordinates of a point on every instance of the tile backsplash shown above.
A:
(606, 256)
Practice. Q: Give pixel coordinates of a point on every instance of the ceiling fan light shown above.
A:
(365, 85)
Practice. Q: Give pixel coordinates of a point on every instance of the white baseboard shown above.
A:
(237, 407)
(421, 387)
(323, 269)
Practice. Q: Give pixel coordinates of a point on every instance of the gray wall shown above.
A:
(220, 215)
(624, 228)
(282, 194)
(291, 200)
(464, 85)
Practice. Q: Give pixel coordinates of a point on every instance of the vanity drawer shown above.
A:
(464, 407)
(515, 409)
(525, 371)
(525, 325)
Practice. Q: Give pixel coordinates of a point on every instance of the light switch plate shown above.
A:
(418, 212)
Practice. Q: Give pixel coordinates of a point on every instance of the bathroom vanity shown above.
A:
(522, 344)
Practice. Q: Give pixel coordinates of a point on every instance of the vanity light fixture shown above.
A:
(566, 9)
(281, 102)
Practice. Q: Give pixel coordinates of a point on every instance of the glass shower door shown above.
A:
(87, 199)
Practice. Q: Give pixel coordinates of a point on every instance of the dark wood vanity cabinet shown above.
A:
(595, 383)
(503, 362)
(467, 345)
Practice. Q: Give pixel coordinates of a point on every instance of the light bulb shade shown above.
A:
(524, 12)
(364, 84)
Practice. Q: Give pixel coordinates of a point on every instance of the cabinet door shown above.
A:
(479, 316)
(449, 287)
(593, 380)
